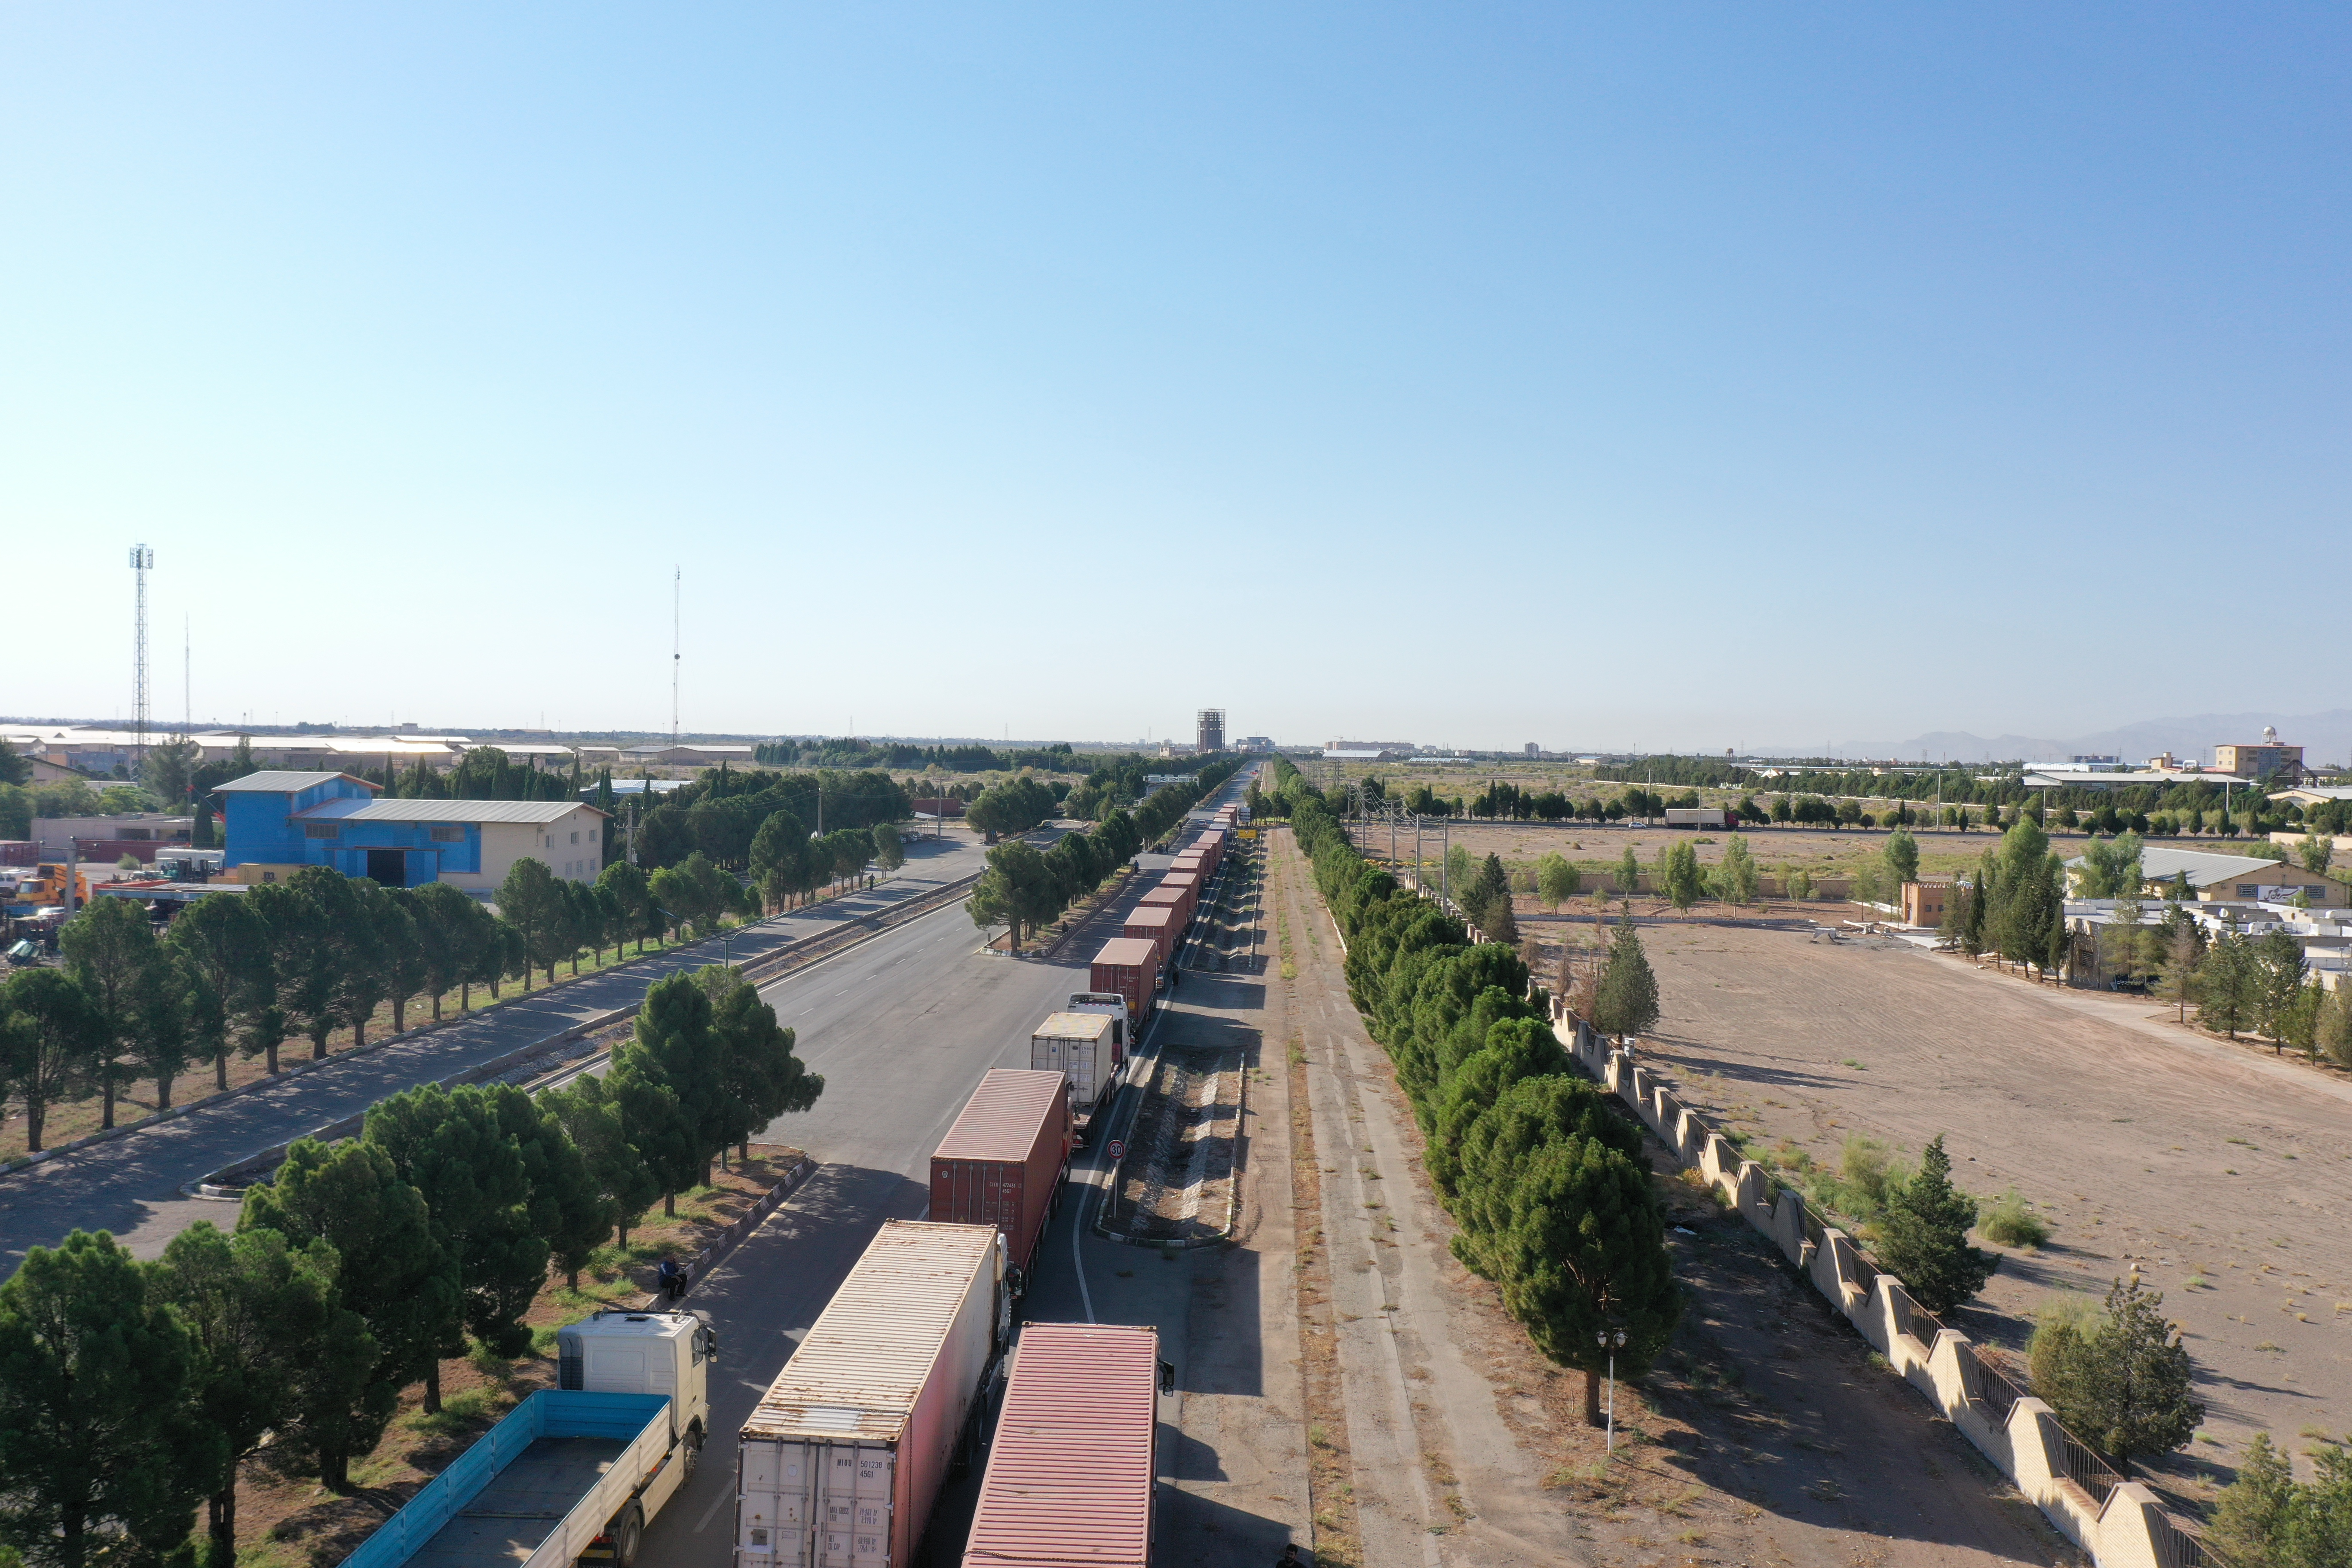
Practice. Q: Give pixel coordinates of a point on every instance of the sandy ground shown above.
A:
(2216, 1169)
(1766, 1436)
(1821, 850)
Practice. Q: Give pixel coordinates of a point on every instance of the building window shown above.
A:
(575, 838)
(440, 835)
(269, 876)
(322, 830)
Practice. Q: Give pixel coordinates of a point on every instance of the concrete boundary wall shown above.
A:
(2119, 1523)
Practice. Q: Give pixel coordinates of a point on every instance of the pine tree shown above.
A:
(2250, 1520)
(100, 1443)
(2144, 1403)
(1923, 1239)
(2226, 984)
(1578, 1250)
(1629, 872)
(1627, 1002)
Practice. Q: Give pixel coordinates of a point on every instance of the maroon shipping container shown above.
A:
(1070, 1474)
(1002, 1162)
(1125, 965)
(1157, 926)
(1166, 898)
(1189, 883)
(19, 852)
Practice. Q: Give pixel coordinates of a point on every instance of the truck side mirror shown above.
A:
(710, 1344)
(1167, 1377)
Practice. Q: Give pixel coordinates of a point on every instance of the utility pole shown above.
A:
(143, 560)
(676, 576)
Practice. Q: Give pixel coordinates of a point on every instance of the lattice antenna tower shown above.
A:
(677, 575)
(142, 561)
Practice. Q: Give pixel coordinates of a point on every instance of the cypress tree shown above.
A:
(1923, 1239)
(1627, 1002)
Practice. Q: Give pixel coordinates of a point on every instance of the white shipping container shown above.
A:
(840, 1464)
(1078, 1045)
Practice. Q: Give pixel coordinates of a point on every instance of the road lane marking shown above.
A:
(704, 1522)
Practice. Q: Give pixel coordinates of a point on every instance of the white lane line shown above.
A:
(704, 1522)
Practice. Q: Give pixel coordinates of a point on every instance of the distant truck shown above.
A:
(576, 1472)
(1701, 817)
(1082, 1047)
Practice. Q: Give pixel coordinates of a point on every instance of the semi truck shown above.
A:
(841, 1463)
(574, 1472)
(1003, 1162)
(1078, 1046)
(1071, 1478)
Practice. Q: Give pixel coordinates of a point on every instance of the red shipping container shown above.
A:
(1125, 965)
(1166, 898)
(1188, 883)
(1002, 1162)
(1157, 926)
(1070, 1474)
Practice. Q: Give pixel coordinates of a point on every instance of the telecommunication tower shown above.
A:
(677, 575)
(142, 561)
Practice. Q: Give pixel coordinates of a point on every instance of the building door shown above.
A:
(387, 868)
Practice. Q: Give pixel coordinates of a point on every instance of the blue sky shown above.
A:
(1673, 376)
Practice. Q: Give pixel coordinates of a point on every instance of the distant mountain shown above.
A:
(2323, 737)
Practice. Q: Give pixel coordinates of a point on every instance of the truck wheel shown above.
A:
(627, 1536)
(693, 1453)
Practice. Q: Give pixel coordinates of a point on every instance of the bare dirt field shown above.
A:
(1823, 851)
(2216, 1171)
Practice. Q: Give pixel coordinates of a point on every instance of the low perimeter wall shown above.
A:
(2119, 1523)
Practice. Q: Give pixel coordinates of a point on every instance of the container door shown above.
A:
(853, 1522)
(772, 1506)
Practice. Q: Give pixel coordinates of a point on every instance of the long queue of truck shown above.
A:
(844, 1460)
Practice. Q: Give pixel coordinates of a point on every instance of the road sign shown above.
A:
(1119, 1148)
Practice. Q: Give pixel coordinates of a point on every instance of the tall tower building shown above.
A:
(1213, 729)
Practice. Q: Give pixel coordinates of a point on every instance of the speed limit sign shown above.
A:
(1118, 1148)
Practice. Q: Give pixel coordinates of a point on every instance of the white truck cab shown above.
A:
(1122, 1036)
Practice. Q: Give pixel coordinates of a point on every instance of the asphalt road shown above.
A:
(903, 1028)
(134, 1185)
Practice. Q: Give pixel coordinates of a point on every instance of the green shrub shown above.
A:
(2012, 1223)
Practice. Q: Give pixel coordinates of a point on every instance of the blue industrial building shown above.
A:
(274, 823)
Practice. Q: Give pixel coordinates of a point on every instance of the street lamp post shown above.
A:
(1612, 1341)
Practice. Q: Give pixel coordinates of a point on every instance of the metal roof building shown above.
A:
(277, 822)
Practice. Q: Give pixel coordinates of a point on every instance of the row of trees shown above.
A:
(242, 973)
(1025, 887)
(721, 813)
(132, 1391)
(1546, 1180)
(850, 753)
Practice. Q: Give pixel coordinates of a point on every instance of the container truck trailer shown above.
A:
(1124, 967)
(1158, 927)
(573, 1473)
(1003, 1162)
(842, 1462)
(1070, 1475)
(1082, 1047)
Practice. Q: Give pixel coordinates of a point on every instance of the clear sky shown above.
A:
(1669, 375)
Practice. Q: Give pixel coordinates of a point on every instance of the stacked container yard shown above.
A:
(1126, 964)
(1070, 1478)
(1002, 1162)
(844, 1458)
